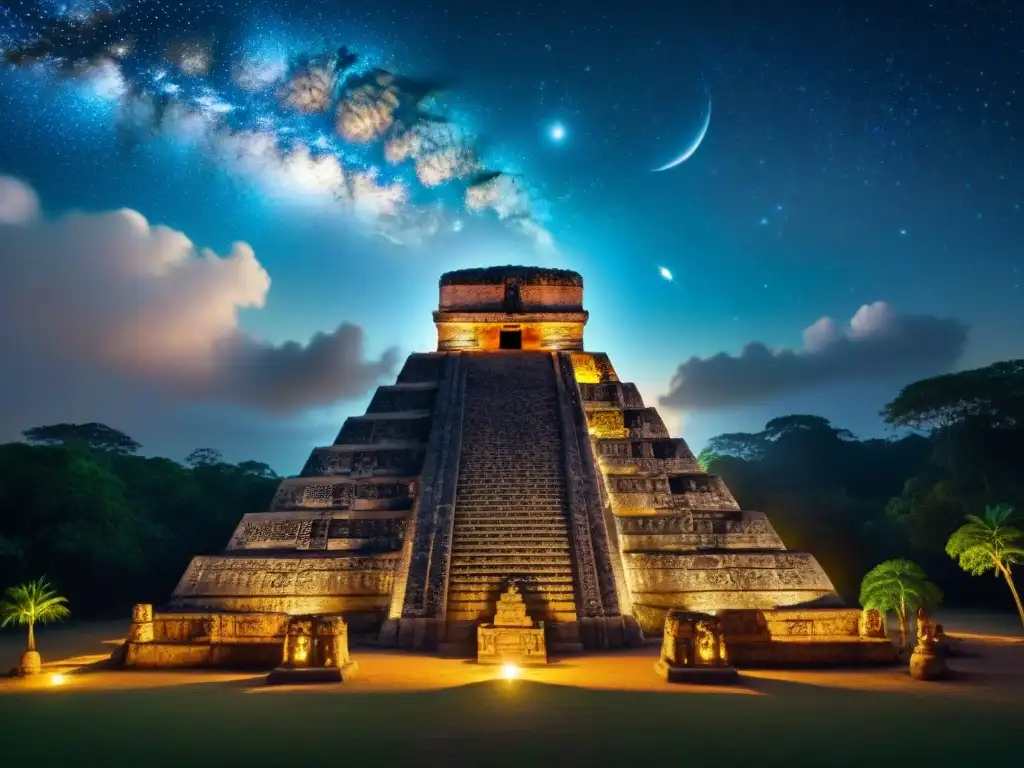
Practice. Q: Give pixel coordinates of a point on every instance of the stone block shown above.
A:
(511, 645)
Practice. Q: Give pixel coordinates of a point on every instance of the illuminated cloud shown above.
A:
(302, 126)
(878, 342)
(366, 112)
(111, 292)
(311, 89)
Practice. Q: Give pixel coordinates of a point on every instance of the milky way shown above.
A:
(215, 76)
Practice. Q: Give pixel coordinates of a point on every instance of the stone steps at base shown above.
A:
(525, 581)
(524, 528)
(525, 539)
(495, 517)
(542, 595)
(469, 552)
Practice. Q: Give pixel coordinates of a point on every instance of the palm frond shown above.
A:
(34, 602)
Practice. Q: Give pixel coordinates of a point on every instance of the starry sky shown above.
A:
(222, 222)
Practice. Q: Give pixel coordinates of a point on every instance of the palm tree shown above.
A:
(32, 603)
(987, 543)
(898, 586)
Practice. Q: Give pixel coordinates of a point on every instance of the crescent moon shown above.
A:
(688, 152)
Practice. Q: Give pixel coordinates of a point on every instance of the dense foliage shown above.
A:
(854, 503)
(109, 528)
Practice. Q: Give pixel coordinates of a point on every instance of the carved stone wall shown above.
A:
(343, 493)
(384, 462)
(294, 585)
(745, 530)
(722, 580)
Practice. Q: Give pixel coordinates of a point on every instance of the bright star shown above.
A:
(557, 132)
(663, 271)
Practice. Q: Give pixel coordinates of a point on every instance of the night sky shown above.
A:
(862, 162)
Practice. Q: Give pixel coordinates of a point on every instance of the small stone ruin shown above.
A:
(693, 650)
(512, 638)
(315, 651)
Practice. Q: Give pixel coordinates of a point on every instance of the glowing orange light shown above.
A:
(509, 671)
(58, 679)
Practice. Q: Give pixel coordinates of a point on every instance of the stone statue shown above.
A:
(927, 662)
(925, 628)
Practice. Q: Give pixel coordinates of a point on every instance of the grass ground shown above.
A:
(596, 710)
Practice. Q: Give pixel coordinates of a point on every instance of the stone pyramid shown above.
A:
(512, 455)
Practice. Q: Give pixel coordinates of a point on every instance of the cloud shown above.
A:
(113, 293)
(18, 201)
(878, 342)
(298, 120)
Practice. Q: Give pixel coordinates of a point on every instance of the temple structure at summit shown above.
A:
(510, 455)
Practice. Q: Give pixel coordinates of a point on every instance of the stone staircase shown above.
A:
(510, 504)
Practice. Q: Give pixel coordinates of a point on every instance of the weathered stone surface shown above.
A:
(343, 494)
(693, 650)
(697, 531)
(297, 584)
(369, 462)
(393, 399)
(728, 574)
(395, 428)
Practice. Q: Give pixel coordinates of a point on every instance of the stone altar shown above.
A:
(512, 638)
(693, 650)
(315, 651)
(510, 452)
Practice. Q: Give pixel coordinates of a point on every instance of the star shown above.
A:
(903, 231)
(557, 132)
(664, 272)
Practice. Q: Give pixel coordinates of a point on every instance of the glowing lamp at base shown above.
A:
(509, 671)
(58, 679)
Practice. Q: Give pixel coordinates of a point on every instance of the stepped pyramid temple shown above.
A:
(511, 455)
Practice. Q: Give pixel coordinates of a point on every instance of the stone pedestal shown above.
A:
(141, 628)
(927, 663)
(512, 638)
(31, 663)
(315, 651)
(693, 650)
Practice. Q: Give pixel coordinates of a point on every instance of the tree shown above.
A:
(803, 423)
(706, 457)
(98, 437)
(204, 457)
(743, 445)
(987, 543)
(898, 586)
(257, 469)
(993, 395)
(29, 604)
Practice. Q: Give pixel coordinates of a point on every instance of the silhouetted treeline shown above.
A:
(854, 503)
(109, 528)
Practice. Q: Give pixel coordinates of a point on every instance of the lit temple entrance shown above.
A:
(510, 340)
